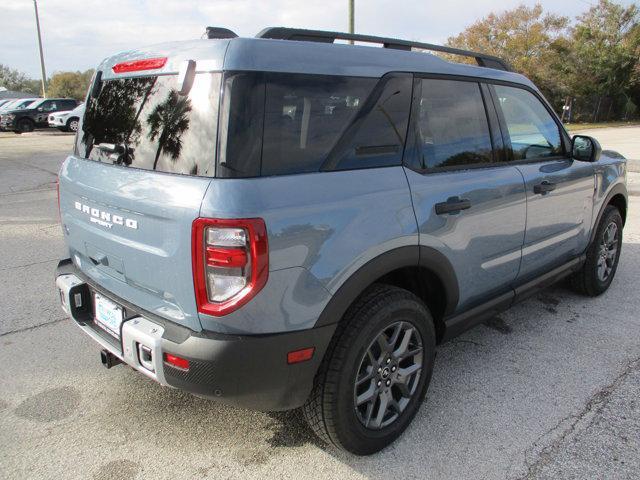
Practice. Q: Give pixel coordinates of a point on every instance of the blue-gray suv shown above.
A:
(284, 221)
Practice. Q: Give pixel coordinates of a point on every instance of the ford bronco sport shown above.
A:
(282, 222)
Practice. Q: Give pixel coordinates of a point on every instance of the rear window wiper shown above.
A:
(119, 154)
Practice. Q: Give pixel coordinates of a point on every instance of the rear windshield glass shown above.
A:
(145, 123)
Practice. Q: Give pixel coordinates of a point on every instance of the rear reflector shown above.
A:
(298, 356)
(176, 361)
(138, 65)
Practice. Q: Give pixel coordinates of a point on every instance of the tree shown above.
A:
(167, 122)
(534, 44)
(15, 80)
(70, 84)
(605, 48)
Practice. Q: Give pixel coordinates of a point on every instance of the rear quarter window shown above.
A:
(145, 123)
(282, 123)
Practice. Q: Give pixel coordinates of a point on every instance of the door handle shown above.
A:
(544, 187)
(452, 205)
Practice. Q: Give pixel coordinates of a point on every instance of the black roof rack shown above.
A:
(284, 33)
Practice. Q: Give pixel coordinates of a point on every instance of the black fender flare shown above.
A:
(617, 189)
(409, 256)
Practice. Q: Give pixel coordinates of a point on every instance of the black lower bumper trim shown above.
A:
(249, 371)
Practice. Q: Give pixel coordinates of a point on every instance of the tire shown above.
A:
(24, 126)
(72, 125)
(604, 249)
(332, 410)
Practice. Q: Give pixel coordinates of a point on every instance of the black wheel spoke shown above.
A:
(368, 396)
(382, 410)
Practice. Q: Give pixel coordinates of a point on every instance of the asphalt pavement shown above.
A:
(549, 389)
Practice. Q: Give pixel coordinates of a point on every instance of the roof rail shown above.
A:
(219, 32)
(284, 33)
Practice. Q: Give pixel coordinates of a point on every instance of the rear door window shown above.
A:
(532, 130)
(450, 125)
(145, 123)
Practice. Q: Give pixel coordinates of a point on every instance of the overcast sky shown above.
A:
(77, 34)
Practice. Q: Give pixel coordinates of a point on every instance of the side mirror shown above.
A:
(40, 109)
(585, 149)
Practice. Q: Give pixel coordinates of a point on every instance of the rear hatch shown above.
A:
(144, 158)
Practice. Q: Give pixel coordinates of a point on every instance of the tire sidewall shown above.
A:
(350, 430)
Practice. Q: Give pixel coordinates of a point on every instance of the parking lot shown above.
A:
(549, 389)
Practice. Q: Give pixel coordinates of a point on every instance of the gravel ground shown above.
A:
(547, 390)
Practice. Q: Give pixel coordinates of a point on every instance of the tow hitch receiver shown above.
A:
(109, 359)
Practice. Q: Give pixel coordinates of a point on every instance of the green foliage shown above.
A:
(69, 84)
(534, 43)
(15, 80)
(594, 59)
(604, 49)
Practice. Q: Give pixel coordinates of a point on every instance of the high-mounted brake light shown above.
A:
(230, 262)
(138, 65)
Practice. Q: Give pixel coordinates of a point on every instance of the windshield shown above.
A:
(145, 123)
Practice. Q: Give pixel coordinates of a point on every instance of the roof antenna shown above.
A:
(219, 32)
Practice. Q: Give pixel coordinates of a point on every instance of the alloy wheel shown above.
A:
(388, 375)
(608, 252)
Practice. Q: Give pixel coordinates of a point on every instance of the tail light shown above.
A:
(230, 262)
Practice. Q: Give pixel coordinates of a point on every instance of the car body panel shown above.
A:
(558, 222)
(324, 224)
(482, 243)
(150, 265)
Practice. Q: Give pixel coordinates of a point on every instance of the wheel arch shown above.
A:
(422, 270)
(617, 197)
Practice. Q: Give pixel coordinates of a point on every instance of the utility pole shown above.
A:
(351, 18)
(44, 74)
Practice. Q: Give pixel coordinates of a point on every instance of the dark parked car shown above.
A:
(35, 115)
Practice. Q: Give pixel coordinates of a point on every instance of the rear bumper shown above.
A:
(242, 370)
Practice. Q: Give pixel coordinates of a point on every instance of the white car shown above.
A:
(67, 121)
